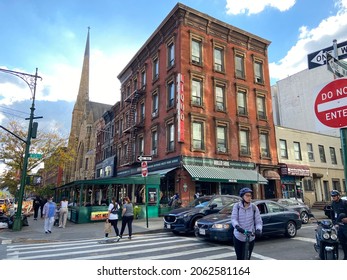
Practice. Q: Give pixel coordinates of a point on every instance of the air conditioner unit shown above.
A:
(154, 114)
(220, 107)
(222, 149)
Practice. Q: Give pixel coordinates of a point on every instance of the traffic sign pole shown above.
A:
(343, 134)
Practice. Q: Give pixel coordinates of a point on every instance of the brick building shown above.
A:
(196, 98)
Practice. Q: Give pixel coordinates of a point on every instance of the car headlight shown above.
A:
(326, 235)
(221, 226)
(333, 236)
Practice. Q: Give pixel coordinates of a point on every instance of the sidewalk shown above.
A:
(72, 231)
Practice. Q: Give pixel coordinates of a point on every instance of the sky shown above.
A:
(51, 36)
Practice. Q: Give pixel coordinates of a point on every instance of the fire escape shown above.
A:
(133, 124)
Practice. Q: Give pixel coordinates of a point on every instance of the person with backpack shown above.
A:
(113, 216)
(339, 218)
(245, 217)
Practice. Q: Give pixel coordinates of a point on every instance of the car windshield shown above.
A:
(200, 201)
(227, 209)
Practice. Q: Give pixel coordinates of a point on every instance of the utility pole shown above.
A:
(31, 81)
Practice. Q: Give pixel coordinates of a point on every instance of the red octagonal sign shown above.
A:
(331, 104)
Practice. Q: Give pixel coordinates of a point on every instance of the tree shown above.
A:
(49, 144)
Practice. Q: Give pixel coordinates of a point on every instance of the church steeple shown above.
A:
(83, 92)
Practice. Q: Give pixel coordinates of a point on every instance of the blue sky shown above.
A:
(51, 36)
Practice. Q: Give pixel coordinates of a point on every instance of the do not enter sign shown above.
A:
(331, 104)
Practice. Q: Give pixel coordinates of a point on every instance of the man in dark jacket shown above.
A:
(36, 206)
(339, 217)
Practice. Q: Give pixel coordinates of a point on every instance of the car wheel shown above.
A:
(290, 229)
(304, 217)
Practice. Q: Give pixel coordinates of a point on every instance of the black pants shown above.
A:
(36, 212)
(114, 224)
(127, 220)
(239, 247)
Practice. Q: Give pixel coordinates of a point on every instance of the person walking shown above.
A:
(127, 216)
(339, 218)
(49, 213)
(63, 210)
(113, 211)
(245, 217)
(36, 206)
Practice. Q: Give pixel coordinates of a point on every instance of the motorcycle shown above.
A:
(7, 221)
(327, 244)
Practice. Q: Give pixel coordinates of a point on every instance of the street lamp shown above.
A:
(30, 80)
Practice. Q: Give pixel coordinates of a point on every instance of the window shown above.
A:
(221, 139)
(154, 142)
(264, 145)
(239, 66)
(170, 54)
(220, 98)
(336, 184)
(155, 104)
(170, 137)
(170, 94)
(283, 149)
(197, 92)
(244, 142)
(261, 109)
(310, 152)
(142, 112)
(241, 102)
(155, 68)
(322, 153)
(141, 145)
(143, 78)
(333, 155)
(135, 84)
(297, 151)
(308, 186)
(258, 72)
(196, 51)
(218, 54)
(198, 135)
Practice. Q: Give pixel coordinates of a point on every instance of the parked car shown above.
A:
(182, 220)
(302, 208)
(277, 219)
(327, 208)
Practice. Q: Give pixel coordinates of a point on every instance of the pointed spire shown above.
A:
(83, 92)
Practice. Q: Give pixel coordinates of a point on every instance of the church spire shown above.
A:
(83, 92)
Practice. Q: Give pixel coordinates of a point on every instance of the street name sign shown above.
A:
(35, 156)
(144, 158)
(319, 58)
(331, 104)
(336, 67)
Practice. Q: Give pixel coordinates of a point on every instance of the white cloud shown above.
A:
(249, 7)
(312, 40)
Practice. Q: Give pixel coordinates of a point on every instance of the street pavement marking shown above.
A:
(306, 239)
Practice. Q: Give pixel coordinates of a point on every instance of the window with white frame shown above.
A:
(297, 151)
(143, 78)
(170, 54)
(154, 142)
(155, 104)
(283, 149)
(333, 155)
(239, 66)
(170, 94)
(155, 68)
(221, 138)
(244, 142)
(170, 136)
(196, 51)
(197, 92)
(264, 144)
(241, 102)
(220, 97)
(218, 55)
(310, 153)
(198, 135)
(258, 71)
(261, 107)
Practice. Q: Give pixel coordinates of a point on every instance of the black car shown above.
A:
(302, 208)
(277, 219)
(182, 220)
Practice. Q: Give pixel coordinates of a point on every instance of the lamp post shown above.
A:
(30, 80)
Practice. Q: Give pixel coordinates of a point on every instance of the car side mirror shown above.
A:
(214, 205)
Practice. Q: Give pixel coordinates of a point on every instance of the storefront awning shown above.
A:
(161, 172)
(224, 175)
(271, 175)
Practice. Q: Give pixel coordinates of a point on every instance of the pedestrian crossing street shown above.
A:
(156, 246)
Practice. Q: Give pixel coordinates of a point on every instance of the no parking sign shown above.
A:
(331, 104)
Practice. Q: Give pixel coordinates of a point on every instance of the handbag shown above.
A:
(107, 227)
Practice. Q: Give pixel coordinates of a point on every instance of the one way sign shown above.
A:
(319, 58)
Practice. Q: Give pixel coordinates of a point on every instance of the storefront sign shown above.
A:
(180, 107)
(295, 170)
(99, 215)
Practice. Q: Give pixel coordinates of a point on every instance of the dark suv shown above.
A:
(182, 220)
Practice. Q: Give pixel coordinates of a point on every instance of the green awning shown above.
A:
(224, 175)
